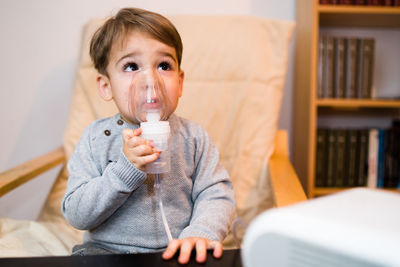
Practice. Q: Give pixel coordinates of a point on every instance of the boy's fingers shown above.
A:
(137, 131)
(217, 247)
(143, 150)
(201, 250)
(149, 158)
(127, 134)
(172, 248)
(150, 143)
(187, 245)
(186, 250)
(137, 141)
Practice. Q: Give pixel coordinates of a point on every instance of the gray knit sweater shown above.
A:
(115, 202)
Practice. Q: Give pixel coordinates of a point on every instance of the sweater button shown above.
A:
(107, 132)
(120, 122)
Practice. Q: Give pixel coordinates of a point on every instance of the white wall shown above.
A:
(39, 50)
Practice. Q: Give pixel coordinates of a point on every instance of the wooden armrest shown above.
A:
(24, 172)
(285, 183)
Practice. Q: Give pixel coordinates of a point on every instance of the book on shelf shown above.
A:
(327, 67)
(372, 158)
(358, 157)
(396, 150)
(339, 65)
(345, 67)
(321, 66)
(365, 62)
(381, 157)
(359, 2)
(362, 166)
(351, 160)
(320, 165)
(391, 163)
(340, 158)
(330, 163)
(350, 67)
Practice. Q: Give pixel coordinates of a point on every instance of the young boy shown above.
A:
(108, 193)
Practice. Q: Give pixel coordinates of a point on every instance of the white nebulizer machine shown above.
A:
(152, 108)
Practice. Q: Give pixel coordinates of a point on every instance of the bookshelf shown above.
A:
(356, 103)
(308, 108)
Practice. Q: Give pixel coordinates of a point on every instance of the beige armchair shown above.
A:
(235, 69)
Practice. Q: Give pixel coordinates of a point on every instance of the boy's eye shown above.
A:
(164, 66)
(131, 67)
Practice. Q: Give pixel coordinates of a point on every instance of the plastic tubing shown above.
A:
(157, 190)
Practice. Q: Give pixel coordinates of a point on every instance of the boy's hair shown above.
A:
(117, 27)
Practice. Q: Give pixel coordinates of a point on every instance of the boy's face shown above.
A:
(139, 52)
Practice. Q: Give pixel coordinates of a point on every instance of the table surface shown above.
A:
(230, 258)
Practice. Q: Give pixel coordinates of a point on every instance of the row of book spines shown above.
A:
(347, 158)
(340, 158)
(361, 2)
(345, 67)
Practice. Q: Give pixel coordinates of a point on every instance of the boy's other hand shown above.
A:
(138, 150)
(186, 246)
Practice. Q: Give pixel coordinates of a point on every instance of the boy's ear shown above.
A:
(181, 78)
(104, 87)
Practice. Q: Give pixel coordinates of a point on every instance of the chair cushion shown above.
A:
(20, 238)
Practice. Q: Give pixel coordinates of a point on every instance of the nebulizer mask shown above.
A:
(150, 105)
(152, 108)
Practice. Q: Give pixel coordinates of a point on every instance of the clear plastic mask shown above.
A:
(148, 100)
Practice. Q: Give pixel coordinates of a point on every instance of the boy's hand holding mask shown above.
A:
(138, 150)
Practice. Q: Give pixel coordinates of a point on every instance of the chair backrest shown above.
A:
(235, 68)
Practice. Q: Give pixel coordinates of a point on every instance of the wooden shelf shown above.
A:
(359, 16)
(340, 9)
(319, 191)
(358, 103)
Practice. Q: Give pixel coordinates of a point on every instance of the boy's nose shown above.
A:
(152, 77)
